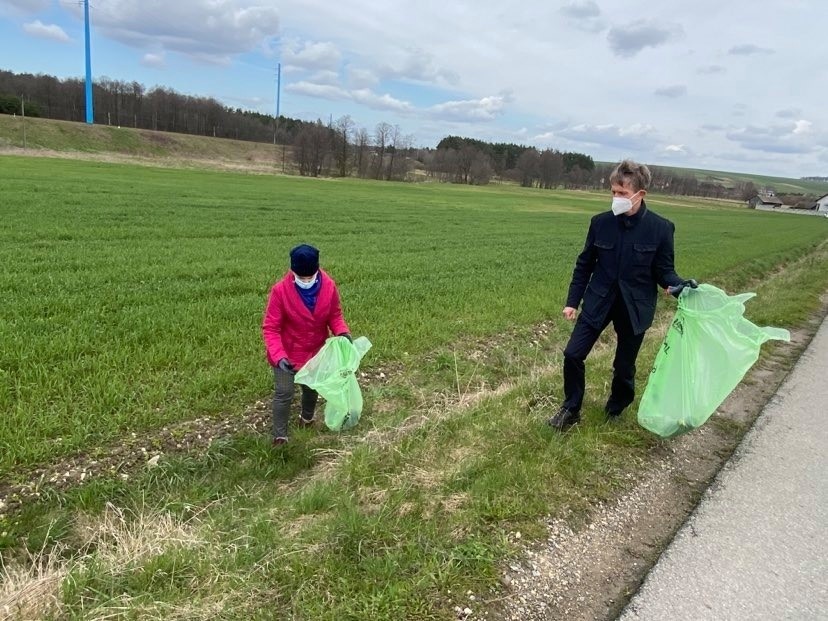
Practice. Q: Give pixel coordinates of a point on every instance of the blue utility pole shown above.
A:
(278, 88)
(90, 116)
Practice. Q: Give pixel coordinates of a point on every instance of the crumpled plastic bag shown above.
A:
(332, 373)
(707, 351)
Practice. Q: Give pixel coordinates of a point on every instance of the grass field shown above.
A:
(133, 297)
(136, 295)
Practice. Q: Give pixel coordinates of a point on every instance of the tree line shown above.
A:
(131, 104)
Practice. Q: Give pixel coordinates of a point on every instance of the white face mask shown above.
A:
(305, 285)
(621, 204)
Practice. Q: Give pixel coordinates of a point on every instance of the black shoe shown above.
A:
(613, 414)
(564, 419)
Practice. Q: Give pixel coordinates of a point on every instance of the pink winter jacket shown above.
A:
(291, 331)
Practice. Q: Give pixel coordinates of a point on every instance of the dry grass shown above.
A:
(116, 540)
(33, 591)
(120, 538)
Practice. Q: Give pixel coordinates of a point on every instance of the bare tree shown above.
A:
(381, 135)
(550, 169)
(312, 150)
(342, 131)
(400, 162)
(362, 142)
(481, 170)
(748, 191)
(527, 167)
(394, 138)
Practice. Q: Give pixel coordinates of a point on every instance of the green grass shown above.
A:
(135, 294)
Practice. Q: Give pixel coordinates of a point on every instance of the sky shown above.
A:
(733, 85)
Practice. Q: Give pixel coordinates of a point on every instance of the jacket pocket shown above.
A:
(599, 290)
(602, 245)
(643, 254)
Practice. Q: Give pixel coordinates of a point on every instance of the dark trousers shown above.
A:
(282, 398)
(582, 341)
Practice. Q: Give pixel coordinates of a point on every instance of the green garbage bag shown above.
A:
(332, 373)
(706, 353)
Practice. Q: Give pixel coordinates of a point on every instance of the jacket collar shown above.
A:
(325, 284)
(629, 222)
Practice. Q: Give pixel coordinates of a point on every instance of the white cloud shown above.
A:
(788, 113)
(710, 70)
(584, 14)
(419, 66)
(363, 96)
(362, 78)
(677, 90)
(748, 49)
(636, 136)
(802, 127)
(312, 55)
(325, 77)
(206, 30)
(380, 102)
(46, 31)
(324, 91)
(790, 138)
(629, 39)
(153, 60)
(581, 9)
(484, 109)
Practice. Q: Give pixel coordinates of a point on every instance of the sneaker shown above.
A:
(564, 419)
(280, 441)
(306, 422)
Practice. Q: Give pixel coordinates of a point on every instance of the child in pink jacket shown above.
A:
(302, 310)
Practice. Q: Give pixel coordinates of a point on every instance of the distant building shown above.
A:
(764, 201)
(821, 204)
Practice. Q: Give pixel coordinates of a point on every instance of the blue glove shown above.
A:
(676, 290)
(285, 365)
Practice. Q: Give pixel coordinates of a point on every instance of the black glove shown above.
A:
(676, 290)
(285, 365)
(347, 335)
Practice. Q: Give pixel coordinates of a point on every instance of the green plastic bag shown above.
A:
(332, 373)
(706, 353)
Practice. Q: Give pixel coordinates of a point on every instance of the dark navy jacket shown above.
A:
(626, 255)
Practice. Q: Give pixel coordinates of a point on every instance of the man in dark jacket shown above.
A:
(627, 255)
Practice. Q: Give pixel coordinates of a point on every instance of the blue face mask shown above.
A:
(306, 285)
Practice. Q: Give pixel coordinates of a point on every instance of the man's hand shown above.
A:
(676, 290)
(285, 365)
(570, 313)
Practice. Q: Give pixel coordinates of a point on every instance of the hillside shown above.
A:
(171, 149)
(781, 185)
(163, 148)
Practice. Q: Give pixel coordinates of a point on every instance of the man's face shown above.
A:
(625, 191)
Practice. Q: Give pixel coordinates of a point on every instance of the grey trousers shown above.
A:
(282, 398)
